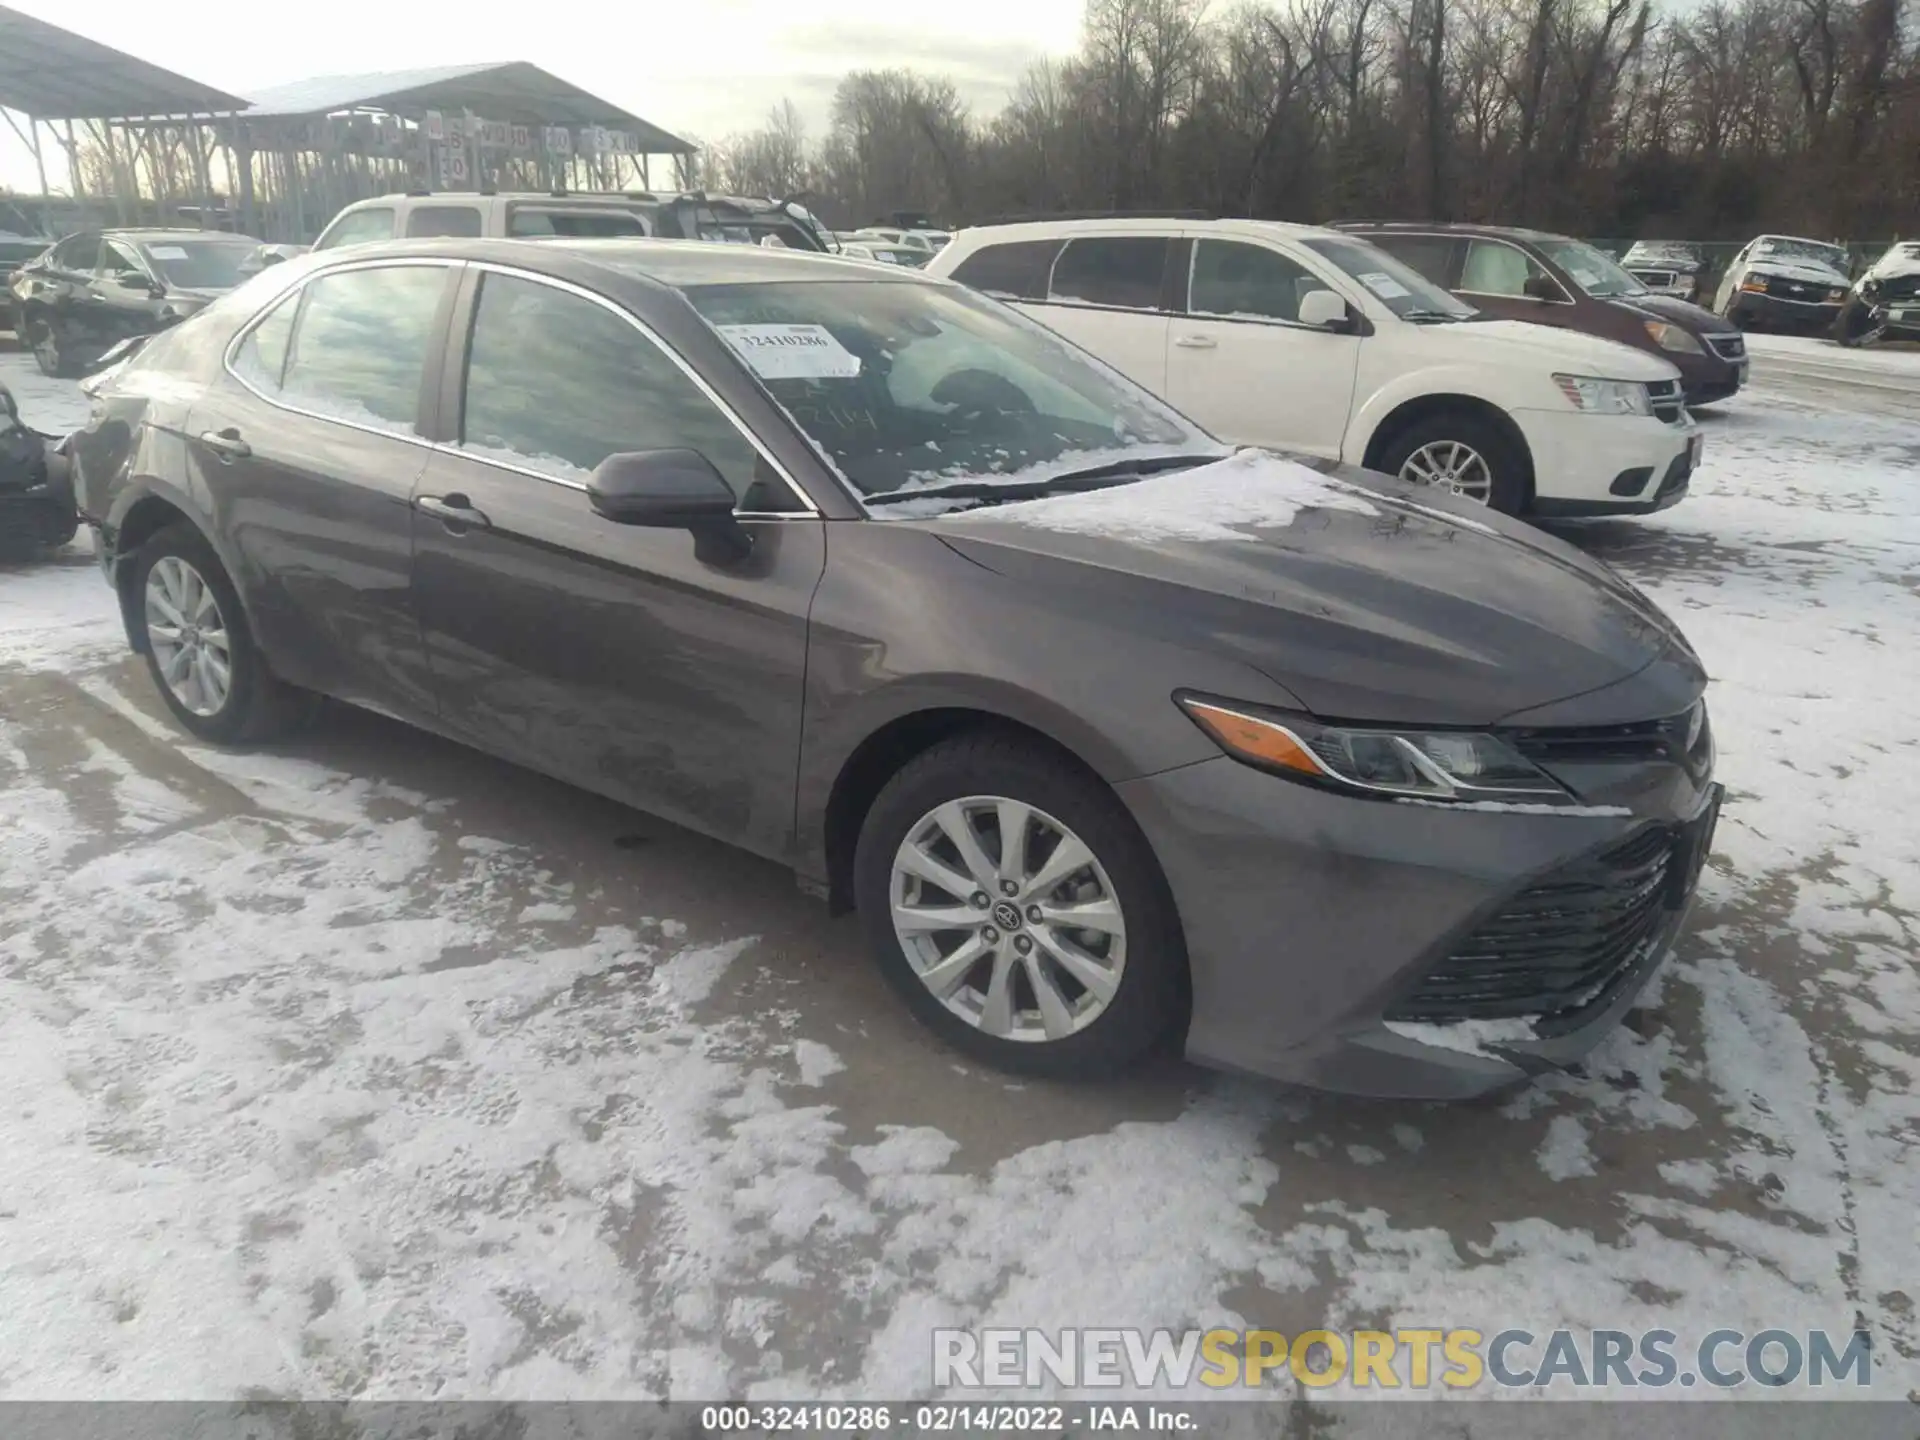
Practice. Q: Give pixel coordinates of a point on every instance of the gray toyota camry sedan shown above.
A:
(1113, 737)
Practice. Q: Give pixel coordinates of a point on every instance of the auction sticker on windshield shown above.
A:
(167, 252)
(1385, 286)
(792, 352)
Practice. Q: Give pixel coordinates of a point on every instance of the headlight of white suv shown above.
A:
(1605, 397)
(1672, 337)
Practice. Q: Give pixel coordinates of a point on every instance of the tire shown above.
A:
(978, 772)
(49, 354)
(1506, 488)
(256, 704)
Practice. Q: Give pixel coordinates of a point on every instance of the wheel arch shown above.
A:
(867, 768)
(145, 516)
(1409, 413)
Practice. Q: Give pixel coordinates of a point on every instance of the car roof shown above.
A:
(676, 264)
(1139, 224)
(1452, 227)
(141, 234)
(1799, 240)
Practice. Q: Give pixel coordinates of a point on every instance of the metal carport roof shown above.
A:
(512, 91)
(54, 74)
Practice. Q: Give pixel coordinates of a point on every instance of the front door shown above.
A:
(310, 450)
(124, 301)
(1240, 362)
(633, 661)
(1495, 276)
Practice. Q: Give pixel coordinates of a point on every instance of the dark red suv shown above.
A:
(1555, 280)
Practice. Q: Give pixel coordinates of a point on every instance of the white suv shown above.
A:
(1318, 342)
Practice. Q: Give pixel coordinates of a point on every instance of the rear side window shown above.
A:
(1121, 270)
(556, 384)
(524, 222)
(79, 254)
(262, 357)
(360, 345)
(1432, 255)
(1014, 271)
(362, 227)
(461, 221)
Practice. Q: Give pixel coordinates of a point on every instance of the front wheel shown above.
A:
(1463, 453)
(199, 649)
(1854, 326)
(50, 351)
(1018, 910)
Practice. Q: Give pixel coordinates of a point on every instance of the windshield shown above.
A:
(1590, 269)
(910, 386)
(1399, 287)
(201, 264)
(1775, 248)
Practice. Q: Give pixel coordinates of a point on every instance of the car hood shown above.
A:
(1518, 342)
(1694, 318)
(1363, 597)
(1810, 271)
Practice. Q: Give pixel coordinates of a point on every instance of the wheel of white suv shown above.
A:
(1461, 452)
(1013, 903)
(199, 650)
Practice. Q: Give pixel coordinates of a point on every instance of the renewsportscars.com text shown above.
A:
(1411, 1359)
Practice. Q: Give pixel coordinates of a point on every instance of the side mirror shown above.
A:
(1323, 310)
(1539, 287)
(134, 280)
(667, 490)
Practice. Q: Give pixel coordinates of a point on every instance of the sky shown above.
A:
(699, 68)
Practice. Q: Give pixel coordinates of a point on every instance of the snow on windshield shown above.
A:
(1253, 490)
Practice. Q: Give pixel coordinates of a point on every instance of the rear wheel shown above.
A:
(1461, 452)
(1013, 903)
(199, 649)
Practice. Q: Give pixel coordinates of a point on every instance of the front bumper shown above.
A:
(1754, 307)
(1579, 461)
(1311, 918)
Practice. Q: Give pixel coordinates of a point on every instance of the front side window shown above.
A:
(116, 259)
(455, 221)
(360, 345)
(910, 386)
(1238, 281)
(1017, 270)
(362, 227)
(197, 264)
(1496, 268)
(1123, 271)
(556, 383)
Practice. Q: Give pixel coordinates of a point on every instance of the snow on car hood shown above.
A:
(1521, 343)
(1683, 313)
(1811, 271)
(1900, 260)
(1364, 597)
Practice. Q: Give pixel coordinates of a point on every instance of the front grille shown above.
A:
(1641, 742)
(1655, 279)
(1557, 946)
(1668, 403)
(1797, 290)
(1727, 347)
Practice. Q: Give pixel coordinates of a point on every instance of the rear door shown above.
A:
(310, 450)
(55, 302)
(1243, 365)
(1110, 294)
(633, 661)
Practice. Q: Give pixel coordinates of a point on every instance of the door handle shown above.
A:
(226, 443)
(454, 511)
(1195, 342)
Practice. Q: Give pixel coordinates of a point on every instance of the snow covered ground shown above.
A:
(371, 1067)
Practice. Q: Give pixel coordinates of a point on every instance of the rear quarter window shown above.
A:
(1016, 270)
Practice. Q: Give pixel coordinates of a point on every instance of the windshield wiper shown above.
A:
(1094, 477)
(1416, 316)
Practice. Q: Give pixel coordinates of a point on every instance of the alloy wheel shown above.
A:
(191, 646)
(1008, 918)
(1451, 465)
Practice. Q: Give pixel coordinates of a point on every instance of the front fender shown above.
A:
(1452, 378)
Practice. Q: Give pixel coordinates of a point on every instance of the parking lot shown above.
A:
(368, 1066)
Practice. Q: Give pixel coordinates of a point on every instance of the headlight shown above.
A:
(1605, 397)
(1834, 297)
(1672, 337)
(1439, 765)
(1755, 283)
